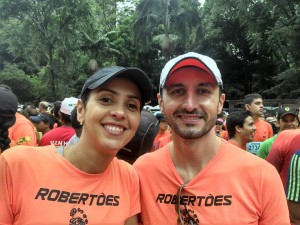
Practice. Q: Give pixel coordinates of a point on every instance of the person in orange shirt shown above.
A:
(85, 183)
(241, 128)
(162, 132)
(22, 132)
(219, 126)
(264, 130)
(199, 178)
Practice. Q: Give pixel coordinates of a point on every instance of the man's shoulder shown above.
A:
(240, 156)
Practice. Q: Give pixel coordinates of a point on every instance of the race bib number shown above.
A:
(252, 147)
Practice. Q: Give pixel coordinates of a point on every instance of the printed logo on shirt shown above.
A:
(22, 140)
(188, 216)
(59, 143)
(78, 217)
(207, 201)
(46, 194)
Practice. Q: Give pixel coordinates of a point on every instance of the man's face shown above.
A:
(248, 129)
(256, 107)
(163, 125)
(191, 102)
(288, 122)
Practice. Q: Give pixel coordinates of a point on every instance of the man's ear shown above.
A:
(247, 107)
(160, 102)
(238, 128)
(221, 103)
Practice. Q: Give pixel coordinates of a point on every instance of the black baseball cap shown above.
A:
(8, 101)
(42, 117)
(134, 74)
(284, 110)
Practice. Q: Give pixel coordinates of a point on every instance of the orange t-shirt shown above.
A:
(263, 131)
(163, 141)
(22, 132)
(158, 136)
(224, 134)
(235, 187)
(236, 144)
(39, 186)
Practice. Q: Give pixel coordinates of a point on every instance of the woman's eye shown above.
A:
(133, 106)
(106, 100)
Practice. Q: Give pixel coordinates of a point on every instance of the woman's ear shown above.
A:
(80, 111)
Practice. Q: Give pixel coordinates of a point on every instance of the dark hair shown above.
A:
(248, 99)
(142, 141)
(85, 96)
(234, 119)
(74, 122)
(65, 117)
(49, 115)
(56, 108)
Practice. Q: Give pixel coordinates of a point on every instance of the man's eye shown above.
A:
(203, 91)
(177, 91)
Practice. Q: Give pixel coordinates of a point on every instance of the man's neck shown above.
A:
(190, 156)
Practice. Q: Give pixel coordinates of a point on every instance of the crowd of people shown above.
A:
(104, 158)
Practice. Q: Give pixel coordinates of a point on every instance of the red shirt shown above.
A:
(57, 136)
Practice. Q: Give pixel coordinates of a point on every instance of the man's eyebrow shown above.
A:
(117, 93)
(206, 84)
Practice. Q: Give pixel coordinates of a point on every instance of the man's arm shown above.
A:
(294, 208)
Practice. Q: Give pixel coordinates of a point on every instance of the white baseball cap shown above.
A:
(191, 59)
(68, 104)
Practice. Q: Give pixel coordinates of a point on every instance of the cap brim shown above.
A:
(136, 75)
(291, 113)
(35, 118)
(191, 62)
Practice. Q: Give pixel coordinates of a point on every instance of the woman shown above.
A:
(86, 184)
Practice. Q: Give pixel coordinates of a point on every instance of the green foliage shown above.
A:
(19, 82)
(46, 45)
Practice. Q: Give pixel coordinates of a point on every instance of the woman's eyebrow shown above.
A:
(117, 93)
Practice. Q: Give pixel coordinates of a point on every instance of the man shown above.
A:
(44, 122)
(284, 146)
(287, 120)
(254, 104)
(199, 178)
(163, 130)
(43, 106)
(241, 128)
(293, 190)
(61, 135)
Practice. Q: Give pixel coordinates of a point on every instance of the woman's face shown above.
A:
(111, 115)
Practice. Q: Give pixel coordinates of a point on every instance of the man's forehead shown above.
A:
(257, 100)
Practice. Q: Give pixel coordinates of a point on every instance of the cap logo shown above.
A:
(287, 109)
